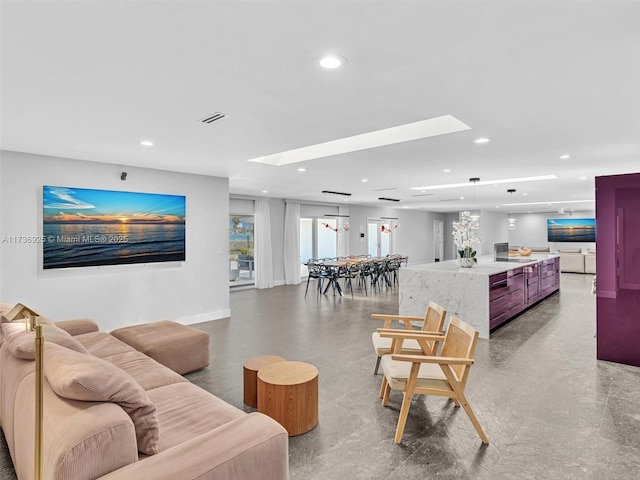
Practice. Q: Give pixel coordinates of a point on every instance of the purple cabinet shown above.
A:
(618, 267)
(513, 291)
(506, 296)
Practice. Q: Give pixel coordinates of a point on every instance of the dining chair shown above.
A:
(432, 322)
(316, 271)
(445, 374)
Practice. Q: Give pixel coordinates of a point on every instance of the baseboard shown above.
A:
(204, 317)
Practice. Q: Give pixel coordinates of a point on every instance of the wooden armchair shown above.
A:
(444, 375)
(432, 322)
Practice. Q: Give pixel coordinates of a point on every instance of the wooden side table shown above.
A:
(250, 370)
(288, 393)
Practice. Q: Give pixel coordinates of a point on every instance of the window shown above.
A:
(317, 240)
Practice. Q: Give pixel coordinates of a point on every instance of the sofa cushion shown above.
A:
(102, 344)
(87, 378)
(22, 343)
(570, 250)
(186, 411)
(5, 308)
(147, 373)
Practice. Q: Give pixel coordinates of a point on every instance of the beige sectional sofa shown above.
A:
(113, 413)
(574, 261)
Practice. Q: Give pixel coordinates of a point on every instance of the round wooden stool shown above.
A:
(288, 393)
(251, 367)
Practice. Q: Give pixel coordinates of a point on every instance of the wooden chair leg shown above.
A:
(402, 419)
(383, 386)
(467, 408)
(375, 372)
(406, 402)
(385, 396)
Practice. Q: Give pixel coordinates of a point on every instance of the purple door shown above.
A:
(618, 268)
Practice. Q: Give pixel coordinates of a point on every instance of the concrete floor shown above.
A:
(549, 408)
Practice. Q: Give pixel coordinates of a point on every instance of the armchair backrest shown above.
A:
(434, 318)
(460, 342)
(433, 322)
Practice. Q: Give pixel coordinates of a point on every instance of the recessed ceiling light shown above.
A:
(146, 143)
(265, 191)
(565, 156)
(379, 138)
(482, 140)
(331, 62)
(488, 182)
(525, 194)
(446, 170)
(583, 178)
(302, 169)
(461, 198)
(364, 180)
(497, 206)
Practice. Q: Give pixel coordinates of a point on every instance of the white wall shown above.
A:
(192, 291)
(493, 229)
(531, 231)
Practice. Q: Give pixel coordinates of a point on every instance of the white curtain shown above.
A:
(292, 243)
(263, 261)
(343, 236)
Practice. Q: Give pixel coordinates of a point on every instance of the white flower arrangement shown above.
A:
(464, 236)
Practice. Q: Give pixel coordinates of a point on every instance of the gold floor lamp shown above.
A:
(30, 317)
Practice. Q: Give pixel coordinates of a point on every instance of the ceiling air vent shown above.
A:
(389, 199)
(214, 117)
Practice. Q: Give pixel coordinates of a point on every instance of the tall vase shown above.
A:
(466, 262)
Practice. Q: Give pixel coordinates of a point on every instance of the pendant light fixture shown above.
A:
(511, 222)
(475, 217)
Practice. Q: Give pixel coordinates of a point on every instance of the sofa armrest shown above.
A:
(238, 449)
(78, 326)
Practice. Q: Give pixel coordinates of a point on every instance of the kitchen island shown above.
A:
(486, 295)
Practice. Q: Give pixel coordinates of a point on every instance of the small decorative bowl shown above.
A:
(524, 252)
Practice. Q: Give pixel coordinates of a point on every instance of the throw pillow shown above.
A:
(92, 379)
(22, 343)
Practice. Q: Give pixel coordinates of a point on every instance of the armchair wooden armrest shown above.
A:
(406, 319)
(413, 334)
(426, 359)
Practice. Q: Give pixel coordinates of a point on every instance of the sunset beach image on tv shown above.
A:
(571, 230)
(84, 227)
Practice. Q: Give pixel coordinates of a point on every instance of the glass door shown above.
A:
(379, 237)
(241, 242)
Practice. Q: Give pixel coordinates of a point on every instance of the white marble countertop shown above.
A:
(485, 266)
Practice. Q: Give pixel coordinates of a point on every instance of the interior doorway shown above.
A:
(438, 240)
(379, 237)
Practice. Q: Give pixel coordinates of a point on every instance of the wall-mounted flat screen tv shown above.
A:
(571, 230)
(84, 227)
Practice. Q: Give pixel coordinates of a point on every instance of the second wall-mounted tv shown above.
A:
(84, 227)
(571, 230)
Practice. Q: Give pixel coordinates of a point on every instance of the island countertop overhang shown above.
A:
(485, 266)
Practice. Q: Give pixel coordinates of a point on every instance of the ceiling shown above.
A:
(89, 80)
